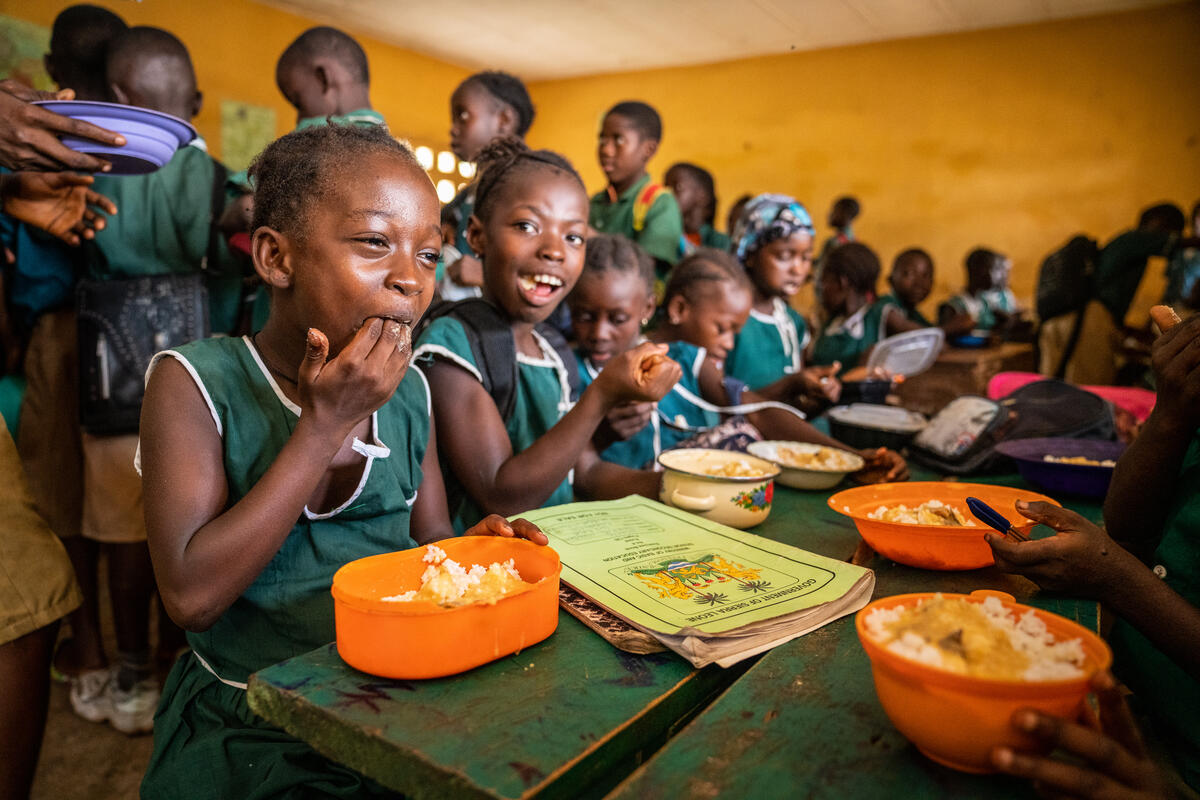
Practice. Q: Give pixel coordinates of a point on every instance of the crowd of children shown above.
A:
(339, 405)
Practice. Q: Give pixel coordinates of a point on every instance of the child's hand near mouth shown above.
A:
(643, 374)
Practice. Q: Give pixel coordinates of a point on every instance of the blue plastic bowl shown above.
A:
(969, 341)
(151, 137)
(1077, 479)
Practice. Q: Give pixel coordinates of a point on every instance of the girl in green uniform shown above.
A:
(856, 320)
(1147, 574)
(707, 300)
(773, 240)
(270, 461)
(529, 226)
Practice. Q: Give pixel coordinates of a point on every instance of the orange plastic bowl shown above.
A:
(424, 640)
(932, 546)
(955, 719)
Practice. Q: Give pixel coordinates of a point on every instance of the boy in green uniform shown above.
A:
(163, 227)
(630, 205)
(911, 281)
(987, 300)
(1148, 573)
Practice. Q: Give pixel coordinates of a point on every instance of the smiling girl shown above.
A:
(529, 226)
(269, 462)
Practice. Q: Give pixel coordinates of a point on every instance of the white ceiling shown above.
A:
(543, 39)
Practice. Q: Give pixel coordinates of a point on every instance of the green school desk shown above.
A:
(574, 717)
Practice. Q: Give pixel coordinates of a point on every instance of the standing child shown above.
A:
(841, 218)
(269, 462)
(323, 74)
(856, 321)
(773, 240)
(696, 194)
(707, 299)
(987, 300)
(631, 205)
(486, 106)
(529, 227)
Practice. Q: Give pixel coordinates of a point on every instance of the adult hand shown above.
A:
(883, 466)
(643, 374)
(338, 394)
(1111, 759)
(496, 525)
(29, 134)
(59, 203)
(1079, 559)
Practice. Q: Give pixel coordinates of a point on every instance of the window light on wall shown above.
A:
(424, 157)
(446, 162)
(445, 190)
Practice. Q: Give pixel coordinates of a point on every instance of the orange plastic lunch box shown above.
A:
(932, 546)
(423, 640)
(956, 719)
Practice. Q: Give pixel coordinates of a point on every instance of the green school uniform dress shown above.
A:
(1121, 265)
(846, 339)
(543, 396)
(164, 227)
(1163, 689)
(707, 236)
(662, 230)
(768, 346)
(677, 416)
(207, 742)
(911, 313)
(983, 306)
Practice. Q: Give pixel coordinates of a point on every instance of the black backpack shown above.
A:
(961, 438)
(1065, 282)
(495, 351)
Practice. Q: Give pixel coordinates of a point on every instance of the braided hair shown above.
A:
(297, 171)
(609, 253)
(702, 268)
(508, 89)
(506, 158)
(855, 262)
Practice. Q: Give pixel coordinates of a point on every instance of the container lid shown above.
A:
(908, 353)
(878, 417)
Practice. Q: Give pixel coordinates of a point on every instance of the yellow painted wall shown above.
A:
(1013, 138)
(235, 44)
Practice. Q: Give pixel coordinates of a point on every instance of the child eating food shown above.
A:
(269, 462)
(707, 300)
(529, 227)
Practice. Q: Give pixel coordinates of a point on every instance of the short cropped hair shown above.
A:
(508, 89)
(326, 41)
(911, 254)
(297, 171)
(855, 262)
(702, 268)
(705, 179)
(79, 41)
(131, 53)
(1166, 216)
(644, 118)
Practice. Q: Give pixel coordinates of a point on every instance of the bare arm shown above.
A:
(478, 449)
(205, 555)
(1144, 481)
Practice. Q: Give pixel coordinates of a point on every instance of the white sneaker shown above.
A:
(90, 697)
(133, 710)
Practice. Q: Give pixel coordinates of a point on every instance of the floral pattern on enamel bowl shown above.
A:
(738, 495)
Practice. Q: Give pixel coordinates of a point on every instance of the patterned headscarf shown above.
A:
(766, 218)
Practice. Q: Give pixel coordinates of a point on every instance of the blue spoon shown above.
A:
(994, 519)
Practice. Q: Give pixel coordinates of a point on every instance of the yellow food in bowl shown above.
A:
(447, 583)
(1079, 460)
(739, 468)
(824, 458)
(983, 640)
(932, 512)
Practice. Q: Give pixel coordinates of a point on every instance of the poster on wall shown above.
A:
(22, 47)
(245, 130)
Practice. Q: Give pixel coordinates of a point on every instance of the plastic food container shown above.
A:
(740, 502)
(805, 477)
(909, 353)
(865, 425)
(423, 640)
(1085, 480)
(955, 719)
(151, 137)
(936, 547)
(872, 390)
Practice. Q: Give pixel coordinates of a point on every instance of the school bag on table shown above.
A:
(961, 439)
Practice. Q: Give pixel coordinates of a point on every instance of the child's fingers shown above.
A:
(1164, 317)
(1101, 751)
(1054, 776)
(1056, 517)
(492, 525)
(315, 352)
(363, 340)
(1019, 554)
(527, 530)
(392, 344)
(94, 198)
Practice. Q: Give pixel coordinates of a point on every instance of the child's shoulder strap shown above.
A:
(645, 201)
(555, 339)
(492, 346)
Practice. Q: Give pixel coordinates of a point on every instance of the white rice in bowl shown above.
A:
(981, 639)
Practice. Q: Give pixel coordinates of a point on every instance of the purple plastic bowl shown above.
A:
(151, 137)
(1077, 479)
